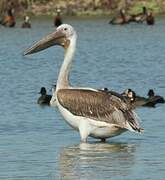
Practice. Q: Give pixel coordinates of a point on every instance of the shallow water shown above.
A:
(36, 143)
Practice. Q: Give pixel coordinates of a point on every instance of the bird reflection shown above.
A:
(96, 160)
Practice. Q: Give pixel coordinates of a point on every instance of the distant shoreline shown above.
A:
(95, 9)
(81, 15)
(82, 8)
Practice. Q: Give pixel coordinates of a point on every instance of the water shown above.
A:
(36, 143)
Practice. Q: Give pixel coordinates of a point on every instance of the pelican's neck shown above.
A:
(63, 78)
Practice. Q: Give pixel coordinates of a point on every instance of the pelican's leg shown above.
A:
(84, 130)
(84, 134)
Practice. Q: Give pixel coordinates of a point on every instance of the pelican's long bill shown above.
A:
(55, 38)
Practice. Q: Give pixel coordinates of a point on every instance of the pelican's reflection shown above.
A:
(96, 161)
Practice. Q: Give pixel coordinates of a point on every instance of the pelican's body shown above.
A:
(91, 115)
(89, 111)
(150, 20)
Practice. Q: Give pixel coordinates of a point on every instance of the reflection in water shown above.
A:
(96, 160)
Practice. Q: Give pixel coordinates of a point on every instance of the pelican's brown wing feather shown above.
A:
(97, 105)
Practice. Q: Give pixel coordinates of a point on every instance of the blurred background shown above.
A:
(80, 7)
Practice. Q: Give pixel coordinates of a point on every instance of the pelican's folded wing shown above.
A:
(97, 105)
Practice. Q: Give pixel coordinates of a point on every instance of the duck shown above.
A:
(122, 18)
(58, 19)
(87, 110)
(154, 99)
(44, 99)
(26, 23)
(150, 20)
(140, 17)
(136, 101)
(9, 19)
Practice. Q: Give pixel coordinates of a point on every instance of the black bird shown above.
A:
(154, 99)
(26, 23)
(121, 18)
(58, 19)
(136, 101)
(140, 17)
(128, 96)
(44, 99)
(150, 20)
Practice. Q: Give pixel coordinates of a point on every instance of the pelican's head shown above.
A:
(62, 36)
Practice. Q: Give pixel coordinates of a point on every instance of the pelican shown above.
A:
(91, 112)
